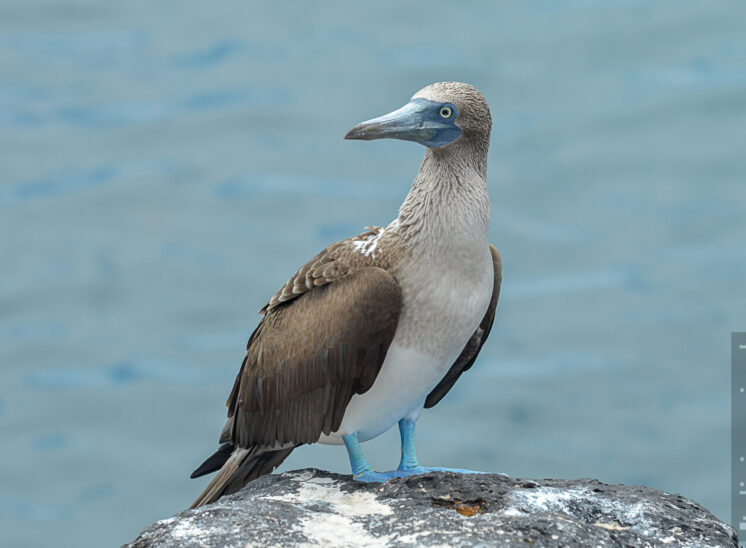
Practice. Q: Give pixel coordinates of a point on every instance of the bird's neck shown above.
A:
(448, 206)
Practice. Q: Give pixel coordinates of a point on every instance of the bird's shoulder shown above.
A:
(334, 262)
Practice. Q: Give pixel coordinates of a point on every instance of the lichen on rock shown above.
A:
(312, 507)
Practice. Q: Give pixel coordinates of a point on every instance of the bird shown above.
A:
(377, 327)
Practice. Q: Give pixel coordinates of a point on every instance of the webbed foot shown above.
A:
(371, 476)
(404, 472)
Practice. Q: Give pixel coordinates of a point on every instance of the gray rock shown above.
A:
(311, 507)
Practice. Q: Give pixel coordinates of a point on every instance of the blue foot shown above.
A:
(408, 466)
(404, 472)
(361, 470)
(454, 470)
(371, 476)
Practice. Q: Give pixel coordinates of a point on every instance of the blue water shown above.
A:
(164, 168)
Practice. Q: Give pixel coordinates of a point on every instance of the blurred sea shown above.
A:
(165, 167)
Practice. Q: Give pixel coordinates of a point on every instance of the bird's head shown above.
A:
(436, 116)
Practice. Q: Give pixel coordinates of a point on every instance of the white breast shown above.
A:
(440, 312)
(399, 391)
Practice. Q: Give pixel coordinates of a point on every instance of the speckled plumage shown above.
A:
(326, 359)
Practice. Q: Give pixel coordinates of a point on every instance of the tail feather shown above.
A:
(243, 466)
(214, 462)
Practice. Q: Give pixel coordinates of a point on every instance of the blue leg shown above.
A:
(361, 470)
(409, 465)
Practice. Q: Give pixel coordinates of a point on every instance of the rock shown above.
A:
(311, 507)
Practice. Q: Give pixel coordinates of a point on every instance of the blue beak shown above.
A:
(417, 121)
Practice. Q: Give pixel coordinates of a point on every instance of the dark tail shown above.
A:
(238, 466)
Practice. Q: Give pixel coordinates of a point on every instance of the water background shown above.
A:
(165, 167)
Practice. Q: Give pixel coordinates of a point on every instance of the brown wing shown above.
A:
(305, 361)
(318, 344)
(335, 261)
(308, 358)
(471, 350)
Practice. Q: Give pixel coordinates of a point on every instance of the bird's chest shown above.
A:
(440, 312)
(444, 302)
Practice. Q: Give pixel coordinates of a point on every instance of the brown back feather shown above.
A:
(334, 262)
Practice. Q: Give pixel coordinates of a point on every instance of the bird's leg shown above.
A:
(409, 465)
(361, 470)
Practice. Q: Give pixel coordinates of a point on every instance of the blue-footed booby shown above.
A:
(377, 327)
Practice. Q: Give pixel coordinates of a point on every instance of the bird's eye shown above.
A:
(446, 112)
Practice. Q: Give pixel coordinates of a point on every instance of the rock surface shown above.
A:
(311, 507)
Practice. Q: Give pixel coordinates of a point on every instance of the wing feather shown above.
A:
(323, 339)
(308, 358)
(334, 262)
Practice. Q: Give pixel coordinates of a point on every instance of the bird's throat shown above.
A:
(448, 205)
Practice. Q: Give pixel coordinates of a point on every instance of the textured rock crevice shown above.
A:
(312, 507)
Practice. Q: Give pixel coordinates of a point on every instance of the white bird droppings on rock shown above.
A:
(327, 491)
(315, 508)
(335, 528)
